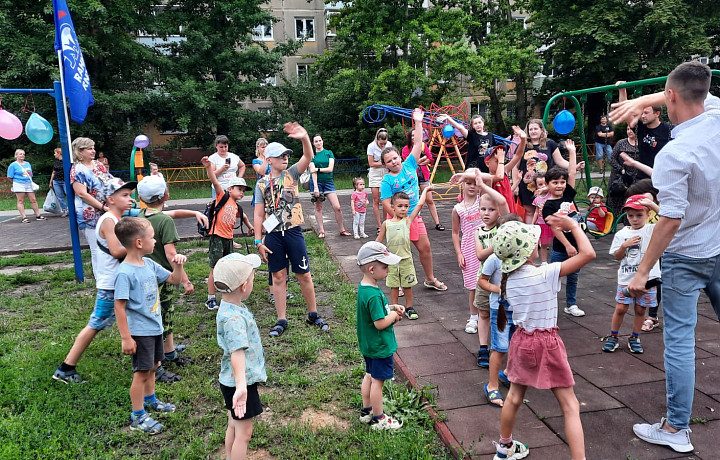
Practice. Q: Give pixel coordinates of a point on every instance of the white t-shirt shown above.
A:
(107, 265)
(219, 162)
(491, 268)
(375, 151)
(633, 254)
(532, 294)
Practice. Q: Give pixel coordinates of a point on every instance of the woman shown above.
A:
(377, 169)
(101, 159)
(259, 163)
(57, 181)
(20, 172)
(227, 164)
(423, 173)
(620, 173)
(321, 168)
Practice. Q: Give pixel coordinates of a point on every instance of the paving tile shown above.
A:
(458, 389)
(436, 359)
(607, 369)
(584, 341)
(453, 319)
(707, 375)
(469, 341)
(590, 397)
(414, 333)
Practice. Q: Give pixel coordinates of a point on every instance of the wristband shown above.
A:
(258, 242)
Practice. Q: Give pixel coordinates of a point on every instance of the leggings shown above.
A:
(359, 224)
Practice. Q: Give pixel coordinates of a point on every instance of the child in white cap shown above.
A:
(598, 211)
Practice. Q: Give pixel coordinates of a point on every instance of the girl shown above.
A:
(322, 183)
(537, 355)
(377, 169)
(546, 235)
(358, 205)
(478, 140)
(423, 173)
(499, 170)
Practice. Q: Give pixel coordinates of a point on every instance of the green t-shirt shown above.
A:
(485, 237)
(372, 306)
(165, 233)
(322, 160)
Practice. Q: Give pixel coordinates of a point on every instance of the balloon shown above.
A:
(38, 129)
(564, 122)
(458, 133)
(10, 126)
(448, 131)
(141, 141)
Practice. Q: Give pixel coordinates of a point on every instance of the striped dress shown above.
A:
(469, 221)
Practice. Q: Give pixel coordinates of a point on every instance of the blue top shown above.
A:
(406, 181)
(20, 173)
(258, 161)
(491, 268)
(237, 330)
(139, 286)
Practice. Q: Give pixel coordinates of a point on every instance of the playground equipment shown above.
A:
(137, 161)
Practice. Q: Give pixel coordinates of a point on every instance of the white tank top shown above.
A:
(107, 264)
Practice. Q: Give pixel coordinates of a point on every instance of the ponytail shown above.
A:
(502, 304)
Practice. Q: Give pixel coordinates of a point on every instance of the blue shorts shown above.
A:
(379, 368)
(602, 148)
(324, 187)
(103, 315)
(500, 341)
(647, 300)
(291, 246)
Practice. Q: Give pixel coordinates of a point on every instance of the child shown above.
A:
(546, 234)
(278, 211)
(598, 214)
(499, 170)
(137, 307)
(537, 355)
(402, 275)
(243, 362)
(561, 183)
(119, 200)
(479, 140)
(221, 231)
(376, 336)
(155, 171)
(490, 277)
(358, 202)
(629, 247)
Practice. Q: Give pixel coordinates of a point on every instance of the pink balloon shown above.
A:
(10, 126)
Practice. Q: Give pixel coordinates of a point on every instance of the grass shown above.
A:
(313, 377)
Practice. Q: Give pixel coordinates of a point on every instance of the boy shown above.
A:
(119, 200)
(243, 362)
(137, 307)
(155, 171)
(629, 247)
(596, 218)
(278, 211)
(397, 230)
(376, 336)
(561, 183)
(221, 231)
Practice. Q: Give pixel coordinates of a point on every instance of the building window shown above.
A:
(305, 29)
(263, 33)
(330, 31)
(303, 72)
(480, 108)
(522, 19)
(510, 110)
(269, 81)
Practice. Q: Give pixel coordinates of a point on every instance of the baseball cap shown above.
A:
(374, 250)
(239, 181)
(116, 184)
(491, 151)
(276, 150)
(151, 189)
(596, 191)
(233, 270)
(513, 243)
(633, 202)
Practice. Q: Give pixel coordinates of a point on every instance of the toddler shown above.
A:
(546, 234)
(358, 206)
(598, 214)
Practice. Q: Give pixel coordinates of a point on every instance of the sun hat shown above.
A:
(596, 191)
(276, 150)
(233, 270)
(151, 189)
(374, 250)
(514, 243)
(237, 181)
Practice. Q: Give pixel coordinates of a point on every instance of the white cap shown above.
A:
(151, 189)
(233, 270)
(374, 250)
(596, 191)
(276, 150)
(237, 181)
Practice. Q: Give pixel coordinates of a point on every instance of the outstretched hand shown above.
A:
(628, 111)
(294, 130)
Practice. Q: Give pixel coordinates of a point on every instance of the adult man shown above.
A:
(652, 135)
(686, 235)
(603, 135)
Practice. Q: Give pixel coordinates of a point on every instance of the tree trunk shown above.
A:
(496, 110)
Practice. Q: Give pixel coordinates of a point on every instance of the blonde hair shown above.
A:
(381, 135)
(78, 144)
(19, 151)
(261, 140)
(543, 136)
(130, 228)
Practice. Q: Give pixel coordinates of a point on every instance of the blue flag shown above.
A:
(77, 80)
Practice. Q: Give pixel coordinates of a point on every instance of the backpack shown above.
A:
(210, 212)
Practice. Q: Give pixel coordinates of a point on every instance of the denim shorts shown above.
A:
(324, 187)
(289, 244)
(646, 300)
(379, 368)
(500, 341)
(103, 315)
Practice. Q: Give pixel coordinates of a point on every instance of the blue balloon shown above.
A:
(564, 122)
(38, 129)
(448, 131)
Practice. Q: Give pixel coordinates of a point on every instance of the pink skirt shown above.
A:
(546, 234)
(538, 359)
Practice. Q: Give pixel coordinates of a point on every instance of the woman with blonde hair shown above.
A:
(20, 171)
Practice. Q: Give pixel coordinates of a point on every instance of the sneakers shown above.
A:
(611, 344)
(146, 424)
(471, 326)
(412, 314)
(516, 451)
(357, 237)
(385, 423)
(365, 416)
(160, 406)
(483, 358)
(68, 376)
(363, 235)
(655, 434)
(635, 346)
(574, 311)
(211, 304)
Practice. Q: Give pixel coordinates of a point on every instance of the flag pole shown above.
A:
(64, 102)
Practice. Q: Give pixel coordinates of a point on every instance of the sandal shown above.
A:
(493, 395)
(279, 328)
(25, 220)
(435, 284)
(345, 233)
(146, 424)
(412, 314)
(439, 227)
(179, 360)
(401, 292)
(321, 235)
(649, 324)
(502, 376)
(40, 218)
(164, 376)
(315, 320)
(378, 231)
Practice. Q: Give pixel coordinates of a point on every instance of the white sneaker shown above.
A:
(517, 451)
(679, 442)
(574, 311)
(386, 423)
(471, 326)
(357, 237)
(364, 235)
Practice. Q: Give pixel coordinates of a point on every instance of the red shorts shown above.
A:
(538, 359)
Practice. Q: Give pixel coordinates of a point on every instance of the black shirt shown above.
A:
(650, 142)
(566, 203)
(477, 146)
(59, 171)
(602, 129)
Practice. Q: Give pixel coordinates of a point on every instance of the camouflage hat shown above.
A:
(514, 243)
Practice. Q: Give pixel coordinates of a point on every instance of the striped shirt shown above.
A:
(532, 293)
(687, 176)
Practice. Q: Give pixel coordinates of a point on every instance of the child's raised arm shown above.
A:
(420, 204)
(186, 213)
(459, 126)
(178, 272)
(518, 151)
(295, 131)
(417, 116)
(210, 168)
(585, 254)
(572, 162)
(485, 189)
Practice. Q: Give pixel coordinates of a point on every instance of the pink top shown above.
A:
(425, 176)
(540, 200)
(470, 220)
(359, 200)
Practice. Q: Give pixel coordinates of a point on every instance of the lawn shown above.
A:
(311, 398)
